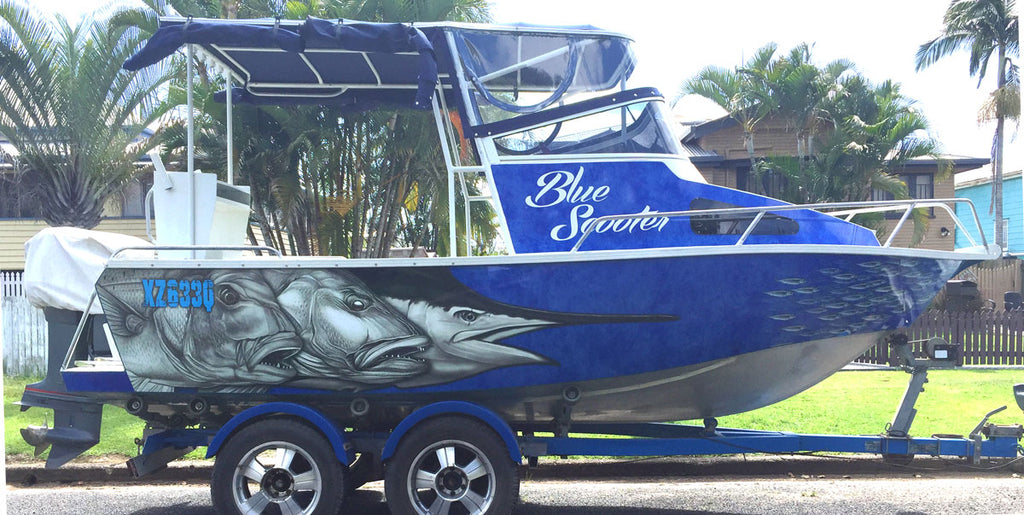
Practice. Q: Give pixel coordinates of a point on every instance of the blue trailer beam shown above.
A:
(732, 441)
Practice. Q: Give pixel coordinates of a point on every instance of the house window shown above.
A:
(919, 186)
(768, 183)
(133, 201)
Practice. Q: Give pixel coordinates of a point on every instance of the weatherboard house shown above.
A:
(716, 148)
(20, 211)
(976, 185)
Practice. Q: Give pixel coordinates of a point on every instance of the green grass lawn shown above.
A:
(117, 434)
(849, 402)
(863, 402)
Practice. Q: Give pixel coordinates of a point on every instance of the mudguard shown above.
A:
(454, 407)
(335, 435)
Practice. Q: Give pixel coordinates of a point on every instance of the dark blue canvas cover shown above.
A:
(305, 59)
(332, 62)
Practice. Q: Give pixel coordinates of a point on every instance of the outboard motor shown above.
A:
(61, 267)
(76, 420)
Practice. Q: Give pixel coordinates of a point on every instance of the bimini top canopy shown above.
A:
(362, 64)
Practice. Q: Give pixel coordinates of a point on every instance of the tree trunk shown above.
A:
(748, 141)
(997, 155)
(997, 183)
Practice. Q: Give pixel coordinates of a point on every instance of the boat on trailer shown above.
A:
(631, 290)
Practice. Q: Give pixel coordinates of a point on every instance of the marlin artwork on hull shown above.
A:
(250, 330)
(629, 289)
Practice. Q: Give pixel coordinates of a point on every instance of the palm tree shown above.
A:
(874, 131)
(71, 111)
(745, 92)
(985, 28)
(337, 182)
(803, 89)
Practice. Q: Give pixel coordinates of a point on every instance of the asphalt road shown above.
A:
(733, 486)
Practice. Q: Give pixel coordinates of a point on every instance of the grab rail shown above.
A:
(847, 209)
(252, 248)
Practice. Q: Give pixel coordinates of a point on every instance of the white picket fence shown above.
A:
(24, 335)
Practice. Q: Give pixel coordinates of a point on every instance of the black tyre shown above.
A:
(452, 465)
(277, 466)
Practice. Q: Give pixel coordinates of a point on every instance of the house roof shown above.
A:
(698, 155)
(693, 132)
(699, 130)
(9, 149)
(979, 176)
(959, 163)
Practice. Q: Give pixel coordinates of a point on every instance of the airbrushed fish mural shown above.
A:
(249, 330)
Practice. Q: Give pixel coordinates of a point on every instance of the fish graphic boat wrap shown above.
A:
(246, 331)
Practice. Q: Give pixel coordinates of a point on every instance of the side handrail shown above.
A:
(78, 333)
(253, 248)
(147, 205)
(847, 209)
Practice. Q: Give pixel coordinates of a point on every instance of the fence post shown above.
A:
(24, 329)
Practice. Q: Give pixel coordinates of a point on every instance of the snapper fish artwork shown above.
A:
(251, 330)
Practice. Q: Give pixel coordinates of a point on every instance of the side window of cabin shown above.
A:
(736, 224)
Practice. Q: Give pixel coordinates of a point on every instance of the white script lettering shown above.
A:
(565, 187)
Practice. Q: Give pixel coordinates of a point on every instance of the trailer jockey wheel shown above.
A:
(451, 464)
(277, 466)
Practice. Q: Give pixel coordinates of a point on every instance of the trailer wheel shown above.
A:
(277, 466)
(451, 465)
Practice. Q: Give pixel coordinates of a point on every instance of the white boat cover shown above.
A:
(63, 263)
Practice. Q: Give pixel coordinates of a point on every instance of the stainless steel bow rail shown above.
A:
(842, 210)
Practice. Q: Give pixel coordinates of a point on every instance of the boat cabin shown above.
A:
(541, 119)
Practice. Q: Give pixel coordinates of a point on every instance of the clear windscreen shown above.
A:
(514, 73)
(638, 128)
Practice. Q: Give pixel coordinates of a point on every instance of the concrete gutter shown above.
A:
(30, 473)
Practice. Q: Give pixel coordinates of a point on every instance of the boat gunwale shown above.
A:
(964, 254)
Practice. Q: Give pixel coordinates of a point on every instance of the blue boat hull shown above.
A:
(641, 335)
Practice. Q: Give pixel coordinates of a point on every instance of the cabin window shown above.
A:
(519, 72)
(630, 129)
(736, 225)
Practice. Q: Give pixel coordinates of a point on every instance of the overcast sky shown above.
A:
(675, 39)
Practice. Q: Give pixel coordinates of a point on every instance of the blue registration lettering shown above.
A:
(160, 286)
(172, 293)
(208, 295)
(197, 294)
(147, 287)
(184, 291)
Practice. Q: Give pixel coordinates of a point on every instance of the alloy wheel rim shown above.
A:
(277, 473)
(451, 477)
